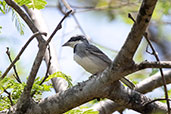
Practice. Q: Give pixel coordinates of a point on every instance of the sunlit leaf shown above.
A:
(35, 4)
(82, 111)
(154, 71)
(19, 25)
(62, 75)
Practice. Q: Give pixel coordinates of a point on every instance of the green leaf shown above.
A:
(35, 4)
(154, 71)
(23, 2)
(19, 25)
(38, 4)
(62, 75)
(91, 111)
(82, 111)
(4, 7)
(14, 88)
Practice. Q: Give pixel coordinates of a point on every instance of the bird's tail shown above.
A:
(128, 83)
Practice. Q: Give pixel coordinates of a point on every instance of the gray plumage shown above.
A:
(92, 59)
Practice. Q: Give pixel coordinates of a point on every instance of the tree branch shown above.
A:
(59, 84)
(134, 38)
(88, 90)
(152, 82)
(157, 58)
(25, 99)
(134, 100)
(20, 53)
(144, 86)
(25, 17)
(58, 27)
(156, 64)
(47, 71)
(14, 67)
(9, 96)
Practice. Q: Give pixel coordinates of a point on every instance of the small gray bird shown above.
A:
(92, 59)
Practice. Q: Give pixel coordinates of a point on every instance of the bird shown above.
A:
(91, 58)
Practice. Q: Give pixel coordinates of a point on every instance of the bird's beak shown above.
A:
(66, 44)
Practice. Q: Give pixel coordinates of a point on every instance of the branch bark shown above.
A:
(156, 64)
(145, 86)
(59, 84)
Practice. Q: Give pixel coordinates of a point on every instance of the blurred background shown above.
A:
(106, 25)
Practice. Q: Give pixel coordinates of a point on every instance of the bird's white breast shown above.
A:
(90, 65)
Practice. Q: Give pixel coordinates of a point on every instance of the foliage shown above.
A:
(15, 89)
(154, 71)
(81, 111)
(61, 75)
(122, 7)
(3, 7)
(19, 25)
(35, 4)
(39, 89)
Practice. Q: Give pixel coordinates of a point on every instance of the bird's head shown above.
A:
(76, 40)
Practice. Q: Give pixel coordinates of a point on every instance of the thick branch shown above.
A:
(90, 89)
(134, 38)
(59, 84)
(153, 82)
(123, 63)
(144, 86)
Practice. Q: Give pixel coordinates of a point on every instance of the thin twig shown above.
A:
(59, 26)
(14, 67)
(157, 58)
(148, 50)
(20, 53)
(156, 64)
(67, 5)
(9, 96)
(159, 99)
(79, 26)
(161, 71)
(47, 71)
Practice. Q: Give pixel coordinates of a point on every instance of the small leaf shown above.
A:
(38, 4)
(154, 71)
(82, 111)
(19, 25)
(62, 75)
(91, 111)
(4, 7)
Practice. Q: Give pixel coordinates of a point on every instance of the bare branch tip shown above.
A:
(7, 51)
(131, 17)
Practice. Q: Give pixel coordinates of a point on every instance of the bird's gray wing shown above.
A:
(97, 52)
